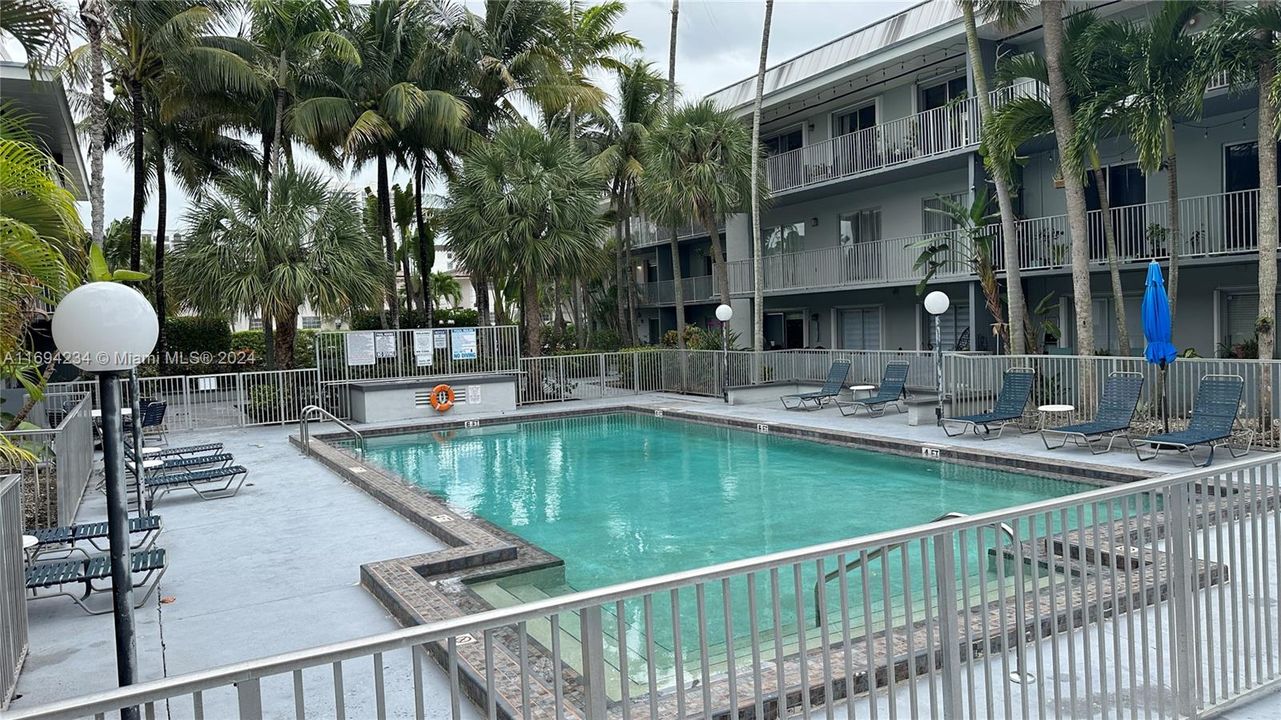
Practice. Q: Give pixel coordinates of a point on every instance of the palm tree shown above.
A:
(37, 25)
(445, 288)
(1007, 14)
(145, 41)
(971, 244)
(1164, 81)
(758, 284)
(245, 254)
(402, 209)
(1095, 88)
(1064, 129)
(677, 285)
(525, 203)
(593, 44)
(372, 104)
(291, 38)
(699, 164)
(641, 92)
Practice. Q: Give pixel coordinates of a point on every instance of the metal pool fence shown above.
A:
(1154, 597)
(53, 484)
(13, 601)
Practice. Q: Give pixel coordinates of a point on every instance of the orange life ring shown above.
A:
(439, 404)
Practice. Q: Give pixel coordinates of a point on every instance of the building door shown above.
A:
(1240, 206)
(1240, 313)
(861, 329)
(860, 232)
(1127, 195)
(954, 328)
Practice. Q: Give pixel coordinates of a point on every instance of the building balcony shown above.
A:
(912, 139)
(699, 289)
(645, 232)
(1219, 225)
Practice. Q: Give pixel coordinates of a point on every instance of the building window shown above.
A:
(781, 143)
(939, 95)
(934, 215)
(954, 327)
(861, 329)
(781, 239)
(1240, 313)
(851, 121)
(310, 322)
(861, 226)
(1106, 333)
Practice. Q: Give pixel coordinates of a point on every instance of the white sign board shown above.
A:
(360, 348)
(385, 344)
(424, 351)
(442, 340)
(463, 341)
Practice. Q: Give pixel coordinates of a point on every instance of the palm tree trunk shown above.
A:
(1064, 129)
(531, 316)
(158, 272)
(1265, 325)
(139, 176)
(719, 270)
(558, 306)
(268, 339)
(1174, 237)
(389, 242)
(90, 11)
(758, 283)
(278, 118)
(1019, 324)
(285, 336)
(678, 290)
(265, 171)
(426, 245)
(1109, 247)
(411, 297)
(481, 286)
(629, 281)
(619, 274)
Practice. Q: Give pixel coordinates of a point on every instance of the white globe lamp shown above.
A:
(937, 303)
(108, 329)
(105, 327)
(724, 313)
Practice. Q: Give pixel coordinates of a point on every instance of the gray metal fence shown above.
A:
(1154, 598)
(13, 601)
(54, 483)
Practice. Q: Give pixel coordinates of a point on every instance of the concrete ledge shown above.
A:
(766, 392)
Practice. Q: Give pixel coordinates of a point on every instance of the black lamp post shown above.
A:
(107, 329)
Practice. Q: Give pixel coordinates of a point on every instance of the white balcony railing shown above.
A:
(1212, 225)
(916, 137)
(701, 288)
(645, 232)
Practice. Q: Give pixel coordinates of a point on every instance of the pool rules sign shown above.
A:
(424, 348)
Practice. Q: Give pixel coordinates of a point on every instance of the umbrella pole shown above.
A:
(1165, 401)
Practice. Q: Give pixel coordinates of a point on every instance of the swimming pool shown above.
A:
(627, 496)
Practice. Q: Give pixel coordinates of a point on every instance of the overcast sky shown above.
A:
(718, 44)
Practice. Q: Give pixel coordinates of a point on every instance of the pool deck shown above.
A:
(277, 568)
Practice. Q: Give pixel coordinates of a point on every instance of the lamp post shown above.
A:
(724, 313)
(937, 303)
(107, 329)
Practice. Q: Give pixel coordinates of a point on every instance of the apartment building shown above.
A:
(868, 134)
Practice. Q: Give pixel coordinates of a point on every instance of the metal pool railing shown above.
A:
(54, 483)
(1152, 598)
(13, 601)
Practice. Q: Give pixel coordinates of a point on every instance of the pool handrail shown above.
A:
(304, 435)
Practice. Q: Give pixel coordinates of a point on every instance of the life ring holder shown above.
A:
(438, 403)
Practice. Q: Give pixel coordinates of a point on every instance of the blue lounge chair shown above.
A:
(891, 391)
(203, 482)
(51, 578)
(142, 530)
(1214, 414)
(1016, 388)
(831, 388)
(1120, 398)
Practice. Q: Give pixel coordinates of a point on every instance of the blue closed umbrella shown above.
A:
(1158, 329)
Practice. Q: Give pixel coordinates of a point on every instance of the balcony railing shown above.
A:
(646, 232)
(916, 137)
(1212, 225)
(663, 292)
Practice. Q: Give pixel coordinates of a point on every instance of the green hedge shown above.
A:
(251, 341)
(462, 317)
(188, 335)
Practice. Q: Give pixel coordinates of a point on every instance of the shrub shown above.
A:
(251, 341)
(186, 335)
(700, 338)
(462, 317)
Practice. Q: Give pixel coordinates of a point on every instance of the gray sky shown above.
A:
(718, 43)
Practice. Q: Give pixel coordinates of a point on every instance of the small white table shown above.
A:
(1048, 410)
(29, 543)
(859, 392)
(124, 412)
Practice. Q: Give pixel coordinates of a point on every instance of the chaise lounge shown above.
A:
(52, 578)
(1120, 399)
(890, 391)
(831, 388)
(1214, 414)
(1016, 388)
(203, 482)
(147, 528)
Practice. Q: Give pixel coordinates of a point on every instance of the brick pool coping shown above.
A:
(434, 586)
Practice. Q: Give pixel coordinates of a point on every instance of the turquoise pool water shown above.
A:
(625, 496)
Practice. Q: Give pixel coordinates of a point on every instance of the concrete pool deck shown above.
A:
(277, 567)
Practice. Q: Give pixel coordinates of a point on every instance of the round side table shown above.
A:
(859, 392)
(1048, 411)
